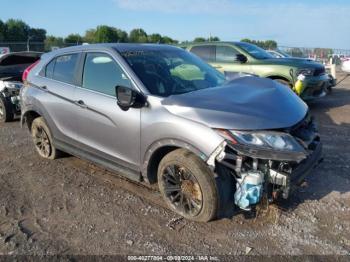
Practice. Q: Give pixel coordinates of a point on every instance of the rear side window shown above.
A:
(62, 68)
(226, 54)
(49, 69)
(65, 68)
(103, 74)
(206, 52)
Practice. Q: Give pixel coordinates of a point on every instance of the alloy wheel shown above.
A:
(41, 141)
(182, 190)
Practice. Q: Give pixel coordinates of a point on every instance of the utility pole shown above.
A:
(28, 40)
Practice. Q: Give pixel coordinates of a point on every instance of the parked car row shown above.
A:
(248, 58)
(159, 114)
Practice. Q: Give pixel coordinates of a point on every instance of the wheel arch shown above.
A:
(155, 153)
(29, 116)
(275, 77)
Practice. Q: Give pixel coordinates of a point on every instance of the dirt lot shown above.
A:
(69, 206)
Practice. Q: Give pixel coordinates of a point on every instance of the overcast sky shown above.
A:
(309, 23)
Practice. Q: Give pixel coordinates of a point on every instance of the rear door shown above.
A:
(106, 130)
(59, 82)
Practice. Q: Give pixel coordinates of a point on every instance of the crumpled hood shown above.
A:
(247, 103)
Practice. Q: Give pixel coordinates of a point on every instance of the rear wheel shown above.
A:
(188, 186)
(43, 140)
(6, 109)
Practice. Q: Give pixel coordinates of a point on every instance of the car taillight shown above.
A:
(26, 72)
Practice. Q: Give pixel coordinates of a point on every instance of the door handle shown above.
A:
(80, 103)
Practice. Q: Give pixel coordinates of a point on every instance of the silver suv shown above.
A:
(159, 114)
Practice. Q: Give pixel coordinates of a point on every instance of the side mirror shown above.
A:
(241, 58)
(127, 98)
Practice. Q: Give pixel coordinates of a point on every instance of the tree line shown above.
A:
(17, 31)
(109, 34)
(14, 30)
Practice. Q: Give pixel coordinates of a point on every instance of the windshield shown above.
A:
(172, 71)
(255, 51)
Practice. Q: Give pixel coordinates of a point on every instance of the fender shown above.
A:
(164, 143)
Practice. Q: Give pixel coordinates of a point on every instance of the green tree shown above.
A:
(37, 34)
(2, 31)
(138, 35)
(52, 41)
(122, 35)
(199, 40)
(213, 39)
(270, 44)
(168, 40)
(16, 30)
(106, 34)
(90, 36)
(155, 38)
(73, 39)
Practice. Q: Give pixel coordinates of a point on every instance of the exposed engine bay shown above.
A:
(259, 172)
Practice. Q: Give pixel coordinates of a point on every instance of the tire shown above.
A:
(188, 186)
(6, 109)
(42, 139)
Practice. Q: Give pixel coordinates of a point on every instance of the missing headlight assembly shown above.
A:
(269, 163)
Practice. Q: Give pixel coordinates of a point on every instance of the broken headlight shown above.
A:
(273, 140)
(267, 140)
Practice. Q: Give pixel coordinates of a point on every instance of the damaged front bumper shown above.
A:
(315, 87)
(288, 182)
(267, 173)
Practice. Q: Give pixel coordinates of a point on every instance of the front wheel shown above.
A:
(188, 186)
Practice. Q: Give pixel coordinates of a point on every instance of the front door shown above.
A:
(226, 60)
(105, 130)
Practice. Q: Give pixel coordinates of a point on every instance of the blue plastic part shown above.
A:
(247, 194)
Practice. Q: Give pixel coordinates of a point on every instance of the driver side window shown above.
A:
(103, 74)
(226, 54)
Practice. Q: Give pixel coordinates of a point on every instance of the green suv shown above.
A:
(229, 57)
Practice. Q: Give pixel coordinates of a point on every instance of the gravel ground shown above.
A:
(70, 206)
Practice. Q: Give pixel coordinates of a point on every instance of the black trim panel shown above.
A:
(110, 165)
